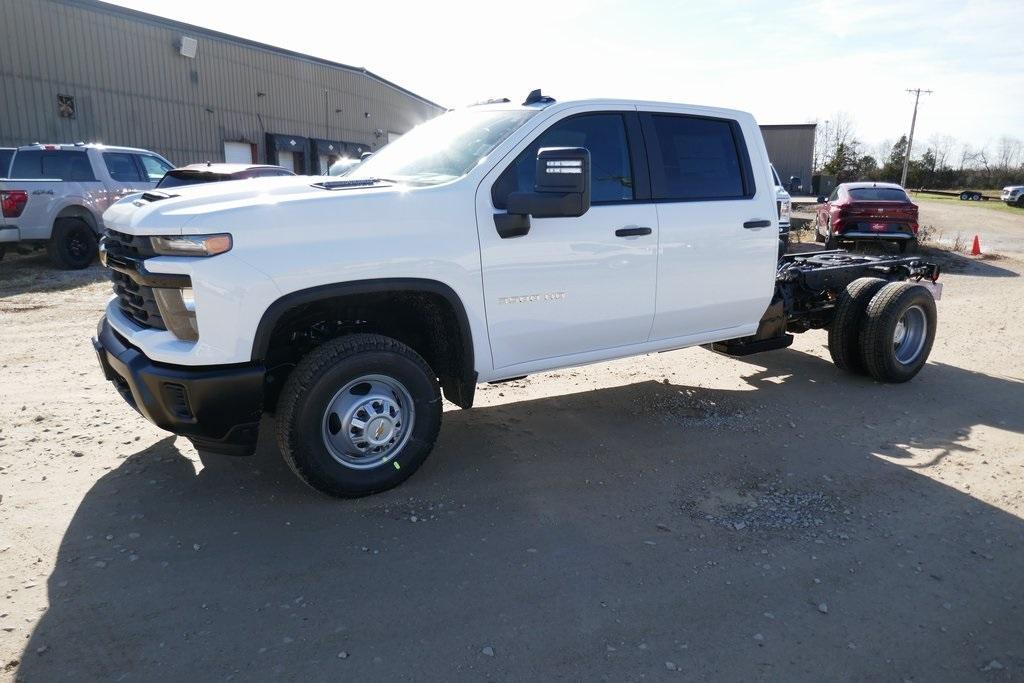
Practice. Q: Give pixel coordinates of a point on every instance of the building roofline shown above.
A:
(788, 125)
(117, 10)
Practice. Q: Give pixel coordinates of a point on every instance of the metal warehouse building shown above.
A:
(81, 70)
(791, 150)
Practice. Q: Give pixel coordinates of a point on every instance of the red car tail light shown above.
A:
(13, 202)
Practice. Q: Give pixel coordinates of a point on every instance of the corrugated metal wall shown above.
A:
(791, 150)
(132, 87)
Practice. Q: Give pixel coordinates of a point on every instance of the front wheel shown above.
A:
(358, 415)
(898, 331)
(831, 241)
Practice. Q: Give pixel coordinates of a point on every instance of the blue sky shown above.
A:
(786, 62)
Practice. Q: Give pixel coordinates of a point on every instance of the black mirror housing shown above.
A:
(561, 190)
(822, 199)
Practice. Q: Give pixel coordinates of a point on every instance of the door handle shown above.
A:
(632, 231)
(751, 225)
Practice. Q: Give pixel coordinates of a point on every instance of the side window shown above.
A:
(60, 165)
(154, 168)
(122, 168)
(834, 196)
(604, 135)
(696, 158)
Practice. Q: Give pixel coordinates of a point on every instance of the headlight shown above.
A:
(192, 245)
(784, 210)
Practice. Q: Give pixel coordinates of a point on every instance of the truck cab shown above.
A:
(489, 243)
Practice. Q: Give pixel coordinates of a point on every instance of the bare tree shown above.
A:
(1008, 152)
(942, 147)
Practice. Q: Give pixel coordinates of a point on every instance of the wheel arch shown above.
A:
(458, 379)
(80, 212)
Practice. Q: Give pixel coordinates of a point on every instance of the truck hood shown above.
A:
(1011, 188)
(195, 209)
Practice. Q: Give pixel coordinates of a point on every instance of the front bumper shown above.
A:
(218, 408)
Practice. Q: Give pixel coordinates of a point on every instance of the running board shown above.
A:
(742, 347)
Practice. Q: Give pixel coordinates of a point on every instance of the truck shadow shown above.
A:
(565, 533)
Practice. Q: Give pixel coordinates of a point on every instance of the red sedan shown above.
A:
(867, 212)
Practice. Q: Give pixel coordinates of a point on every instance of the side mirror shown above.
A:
(822, 199)
(562, 190)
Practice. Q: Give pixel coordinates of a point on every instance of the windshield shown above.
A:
(444, 148)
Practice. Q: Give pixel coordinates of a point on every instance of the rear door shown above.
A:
(125, 175)
(718, 226)
(572, 285)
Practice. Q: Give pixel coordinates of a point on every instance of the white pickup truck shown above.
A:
(489, 243)
(56, 195)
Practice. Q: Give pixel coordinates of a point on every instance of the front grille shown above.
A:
(135, 300)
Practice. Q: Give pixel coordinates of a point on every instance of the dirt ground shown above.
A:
(677, 516)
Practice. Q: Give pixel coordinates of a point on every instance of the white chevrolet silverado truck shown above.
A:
(55, 195)
(489, 243)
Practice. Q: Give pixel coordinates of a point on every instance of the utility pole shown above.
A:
(910, 141)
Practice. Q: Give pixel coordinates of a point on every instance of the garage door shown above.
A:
(238, 153)
(286, 159)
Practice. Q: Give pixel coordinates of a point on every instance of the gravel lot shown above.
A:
(677, 516)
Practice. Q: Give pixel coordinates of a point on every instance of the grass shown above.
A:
(991, 204)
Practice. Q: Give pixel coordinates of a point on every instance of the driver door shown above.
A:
(572, 286)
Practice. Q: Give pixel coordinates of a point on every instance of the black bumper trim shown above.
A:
(218, 408)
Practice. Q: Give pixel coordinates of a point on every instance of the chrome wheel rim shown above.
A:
(909, 336)
(368, 421)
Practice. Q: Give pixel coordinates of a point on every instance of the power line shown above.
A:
(910, 141)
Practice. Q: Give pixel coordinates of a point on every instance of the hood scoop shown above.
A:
(346, 184)
(152, 196)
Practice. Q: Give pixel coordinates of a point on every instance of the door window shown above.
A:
(153, 167)
(604, 135)
(122, 168)
(695, 158)
(58, 165)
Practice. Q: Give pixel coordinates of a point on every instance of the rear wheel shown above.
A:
(898, 331)
(358, 415)
(844, 333)
(72, 245)
(831, 241)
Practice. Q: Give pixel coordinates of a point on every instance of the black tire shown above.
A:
(880, 351)
(1020, 202)
(831, 241)
(302, 413)
(818, 237)
(907, 246)
(844, 333)
(72, 245)
(964, 196)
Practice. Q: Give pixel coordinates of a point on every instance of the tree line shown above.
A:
(940, 162)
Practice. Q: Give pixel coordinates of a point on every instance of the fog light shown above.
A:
(177, 308)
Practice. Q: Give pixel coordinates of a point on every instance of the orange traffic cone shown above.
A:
(976, 248)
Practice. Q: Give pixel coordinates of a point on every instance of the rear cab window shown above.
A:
(697, 158)
(5, 161)
(38, 164)
(183, 177)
